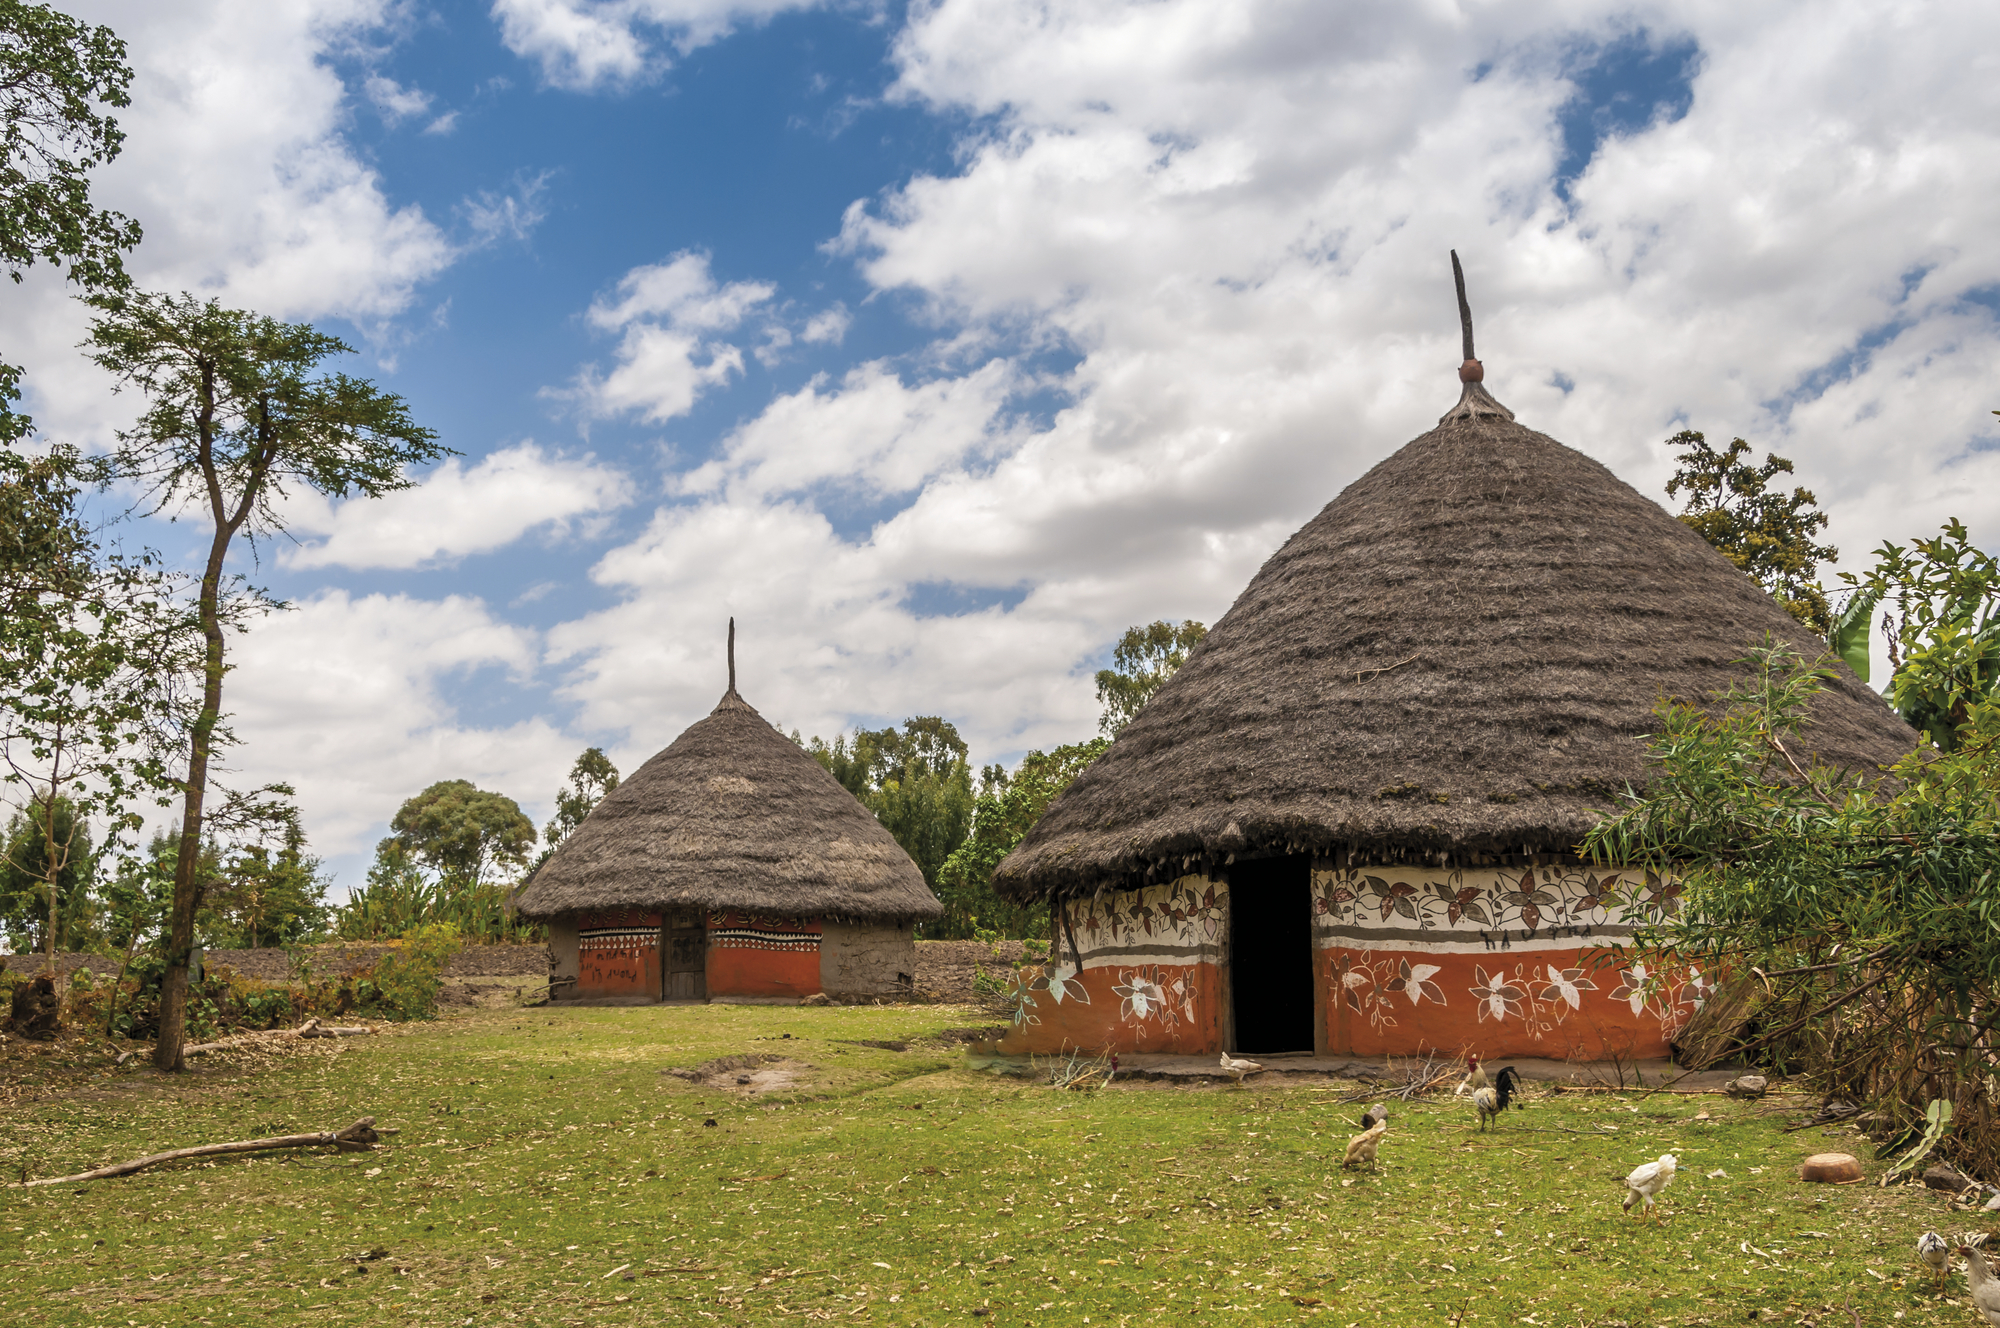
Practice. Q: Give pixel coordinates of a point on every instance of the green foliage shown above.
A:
(916, 781)
(1007, 808)
(462, 833)
(1877, 899)
(56, 76)
(1144, 658)
(1937, 1122)
(1944, 627)
(27, 873)
(260, 897)
(400, 896)
(404, 983)
(1768, 533)
(591, 779)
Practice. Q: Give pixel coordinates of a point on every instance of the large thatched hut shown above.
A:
(1348, 823)
(730, 867)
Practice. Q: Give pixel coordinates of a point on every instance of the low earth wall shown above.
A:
(272, 964)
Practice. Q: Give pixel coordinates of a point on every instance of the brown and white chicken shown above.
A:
(1490, 1102)
(1475, 1078)
(1236, 1069)
(1980, 1282)
(1362, 1147)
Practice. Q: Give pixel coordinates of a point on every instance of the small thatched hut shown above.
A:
(730, 867)
(1348, 823)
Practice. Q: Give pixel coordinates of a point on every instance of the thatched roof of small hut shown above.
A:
(1456, 660)
(733, 815)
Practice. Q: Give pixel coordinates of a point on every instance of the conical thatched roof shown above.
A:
(733, 815)
(1457, 659)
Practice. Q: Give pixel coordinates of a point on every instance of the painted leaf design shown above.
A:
(1454, 913)
(1343, 896)
(1478, 915)
(1377, 884)
(1541, 897)
(1405, 907)
(1353, 1000)
(1527, 886)
(1531, 917)
(1467, 895)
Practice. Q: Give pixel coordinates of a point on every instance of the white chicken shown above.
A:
(1935, 1253)
(1475, 1078)
(1236, 1069)
(1361, 1148)
(1643, 1186)
(1980, 1282)
(1492, 1101)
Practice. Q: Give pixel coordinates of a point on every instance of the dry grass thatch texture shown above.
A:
(1458, 658)
(733, 815)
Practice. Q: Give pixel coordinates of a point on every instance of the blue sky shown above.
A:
(939, 344)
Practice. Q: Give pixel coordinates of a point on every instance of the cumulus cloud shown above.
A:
(588, 44)
(396, 102)
(668, 354)
(235, 162)
(1212, 238)
(352, 699)
(456, 511)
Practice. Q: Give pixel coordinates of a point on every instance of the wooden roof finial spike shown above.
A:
(1471, 371)
(732, 656)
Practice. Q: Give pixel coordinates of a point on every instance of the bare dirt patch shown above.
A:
(946, 969)
(747, 1075)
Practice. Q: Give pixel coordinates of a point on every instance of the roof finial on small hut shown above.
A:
(1474, 400)
(732, 655)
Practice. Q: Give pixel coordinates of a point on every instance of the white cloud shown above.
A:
(455, 511)
(872, 434)
(828, 326)
(1232, 220)
(350, 699)
(588, 44)
(665, 359)
(236, 165)
(509, 216)
(396, 102)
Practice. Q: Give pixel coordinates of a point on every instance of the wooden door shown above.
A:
(684, 970)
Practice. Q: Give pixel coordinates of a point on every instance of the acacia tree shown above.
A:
(1144, 658)
(238, 409)
(461, 832)
(1768, 533)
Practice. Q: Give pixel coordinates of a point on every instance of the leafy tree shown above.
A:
(1859, 912)
(462, 832)
(1943, 627)
(93, 651)
(56, 75)
(916, 780)
(29, 867)
(591, 779)
(238, 409)
(1007, 808)
(1767, 533)
(262, 897)
(1144, 658)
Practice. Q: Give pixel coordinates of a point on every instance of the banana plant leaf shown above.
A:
(1849, 637)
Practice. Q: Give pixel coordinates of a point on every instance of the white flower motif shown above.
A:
(1354, 978)
(1635, 995)
(1564, 987)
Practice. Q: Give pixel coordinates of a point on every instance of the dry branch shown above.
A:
(356, 1138)
(311, 1028)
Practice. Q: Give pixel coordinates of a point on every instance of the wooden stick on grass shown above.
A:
(356, 1138)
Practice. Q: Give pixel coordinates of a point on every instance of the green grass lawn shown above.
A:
(548, 1171)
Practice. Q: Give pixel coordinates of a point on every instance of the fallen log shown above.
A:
(311, 1028)
(356, 1138)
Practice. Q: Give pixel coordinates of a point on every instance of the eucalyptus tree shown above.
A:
(239, 411)
(1144, 658)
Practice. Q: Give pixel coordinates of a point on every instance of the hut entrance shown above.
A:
(1271, 953)
(684, 974)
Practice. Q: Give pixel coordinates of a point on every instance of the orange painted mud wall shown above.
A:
(1514, 962)
(762, 955)
(1520, 962)
(617, 954)
(1151, 979)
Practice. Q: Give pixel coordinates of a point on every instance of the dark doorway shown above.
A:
(1271, 954)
